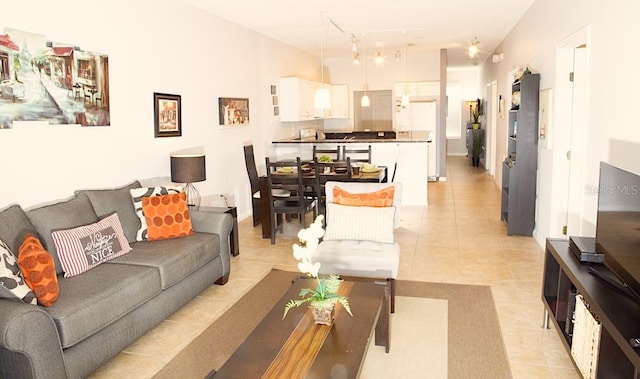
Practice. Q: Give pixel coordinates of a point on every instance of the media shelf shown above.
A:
(618, 313)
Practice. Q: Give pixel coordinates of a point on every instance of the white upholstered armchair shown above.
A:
(359, 238)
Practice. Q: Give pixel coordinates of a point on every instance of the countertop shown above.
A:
(401, 137)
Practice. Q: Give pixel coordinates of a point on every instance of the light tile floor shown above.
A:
(457, 238)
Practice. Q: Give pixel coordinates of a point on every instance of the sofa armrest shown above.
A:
(217, 223)
(29, 342)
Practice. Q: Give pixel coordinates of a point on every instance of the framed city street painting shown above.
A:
(233, 111)
(167, 113)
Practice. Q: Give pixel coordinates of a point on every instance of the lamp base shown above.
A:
(193, 196)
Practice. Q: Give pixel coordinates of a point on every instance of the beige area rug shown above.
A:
(450, 330)
(418, 342)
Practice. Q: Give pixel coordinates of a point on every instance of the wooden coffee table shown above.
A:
(297, 348)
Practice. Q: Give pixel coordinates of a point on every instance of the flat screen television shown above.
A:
(618, 224)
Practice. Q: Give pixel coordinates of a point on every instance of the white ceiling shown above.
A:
(381, 25)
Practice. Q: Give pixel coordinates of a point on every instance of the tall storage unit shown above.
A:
(520, 167)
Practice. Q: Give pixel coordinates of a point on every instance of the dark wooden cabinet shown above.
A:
(619, 314)
(520, 167)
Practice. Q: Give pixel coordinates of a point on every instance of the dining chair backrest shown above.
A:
(285, 176)
(339, 171)
(252, 171)
(357, 154)
(334, 154)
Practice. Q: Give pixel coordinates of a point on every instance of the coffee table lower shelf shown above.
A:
(263, 353)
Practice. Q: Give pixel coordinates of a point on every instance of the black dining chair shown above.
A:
(334, 154)
(357, 154)
(287, 176)
(254, 180)
(337, 171)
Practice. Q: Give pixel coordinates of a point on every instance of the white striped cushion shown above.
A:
(346, 222)
(85, 247)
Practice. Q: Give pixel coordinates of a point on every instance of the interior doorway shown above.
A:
(570, 104)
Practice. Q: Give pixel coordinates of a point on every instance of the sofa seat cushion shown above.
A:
(91, 301)
(358, 258)
(174, 258)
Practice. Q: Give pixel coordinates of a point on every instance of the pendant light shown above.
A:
(405, 97)
(322, 99)
(364, 102)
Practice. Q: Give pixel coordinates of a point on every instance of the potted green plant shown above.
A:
(322, 300)
(476, 113)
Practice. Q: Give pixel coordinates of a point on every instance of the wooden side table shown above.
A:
(233, 211)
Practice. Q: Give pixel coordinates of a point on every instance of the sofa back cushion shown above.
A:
(107, 201)
(14, 226)
(72, 213)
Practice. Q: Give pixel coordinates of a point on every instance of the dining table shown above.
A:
(379, 175)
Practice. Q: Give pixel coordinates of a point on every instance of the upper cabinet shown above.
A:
(417, 89)
(339, 102)
(296, 100)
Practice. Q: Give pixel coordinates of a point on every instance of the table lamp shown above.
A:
(188, 169)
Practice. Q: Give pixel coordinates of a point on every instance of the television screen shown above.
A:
(618, 223)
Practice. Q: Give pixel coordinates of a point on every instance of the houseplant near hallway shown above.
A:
(322, 300)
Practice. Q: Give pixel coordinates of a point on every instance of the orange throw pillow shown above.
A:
(381, 198)
(167, 216)
(38, 270)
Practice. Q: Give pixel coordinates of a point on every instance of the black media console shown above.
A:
(619, 313)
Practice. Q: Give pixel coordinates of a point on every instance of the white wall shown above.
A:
(153, 46)
(611, 134)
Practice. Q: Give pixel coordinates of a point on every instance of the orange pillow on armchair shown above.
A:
(381, 198)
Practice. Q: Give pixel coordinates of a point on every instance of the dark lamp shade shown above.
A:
(188, 168)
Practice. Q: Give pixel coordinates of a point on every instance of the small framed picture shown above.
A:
(273, 89)
(167, 115)
(233, 111)
(275, 100)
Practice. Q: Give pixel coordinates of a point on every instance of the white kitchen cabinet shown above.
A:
(339, 102)
(296, 99)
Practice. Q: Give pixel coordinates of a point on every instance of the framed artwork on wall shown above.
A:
(233, 111)
(167, 115)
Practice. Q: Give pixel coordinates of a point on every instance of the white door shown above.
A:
(567, 138)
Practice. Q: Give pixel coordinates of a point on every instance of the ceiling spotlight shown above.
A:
(356, 58)
(397, 56)
(379, 58)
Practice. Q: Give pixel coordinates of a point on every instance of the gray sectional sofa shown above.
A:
(100, 312)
